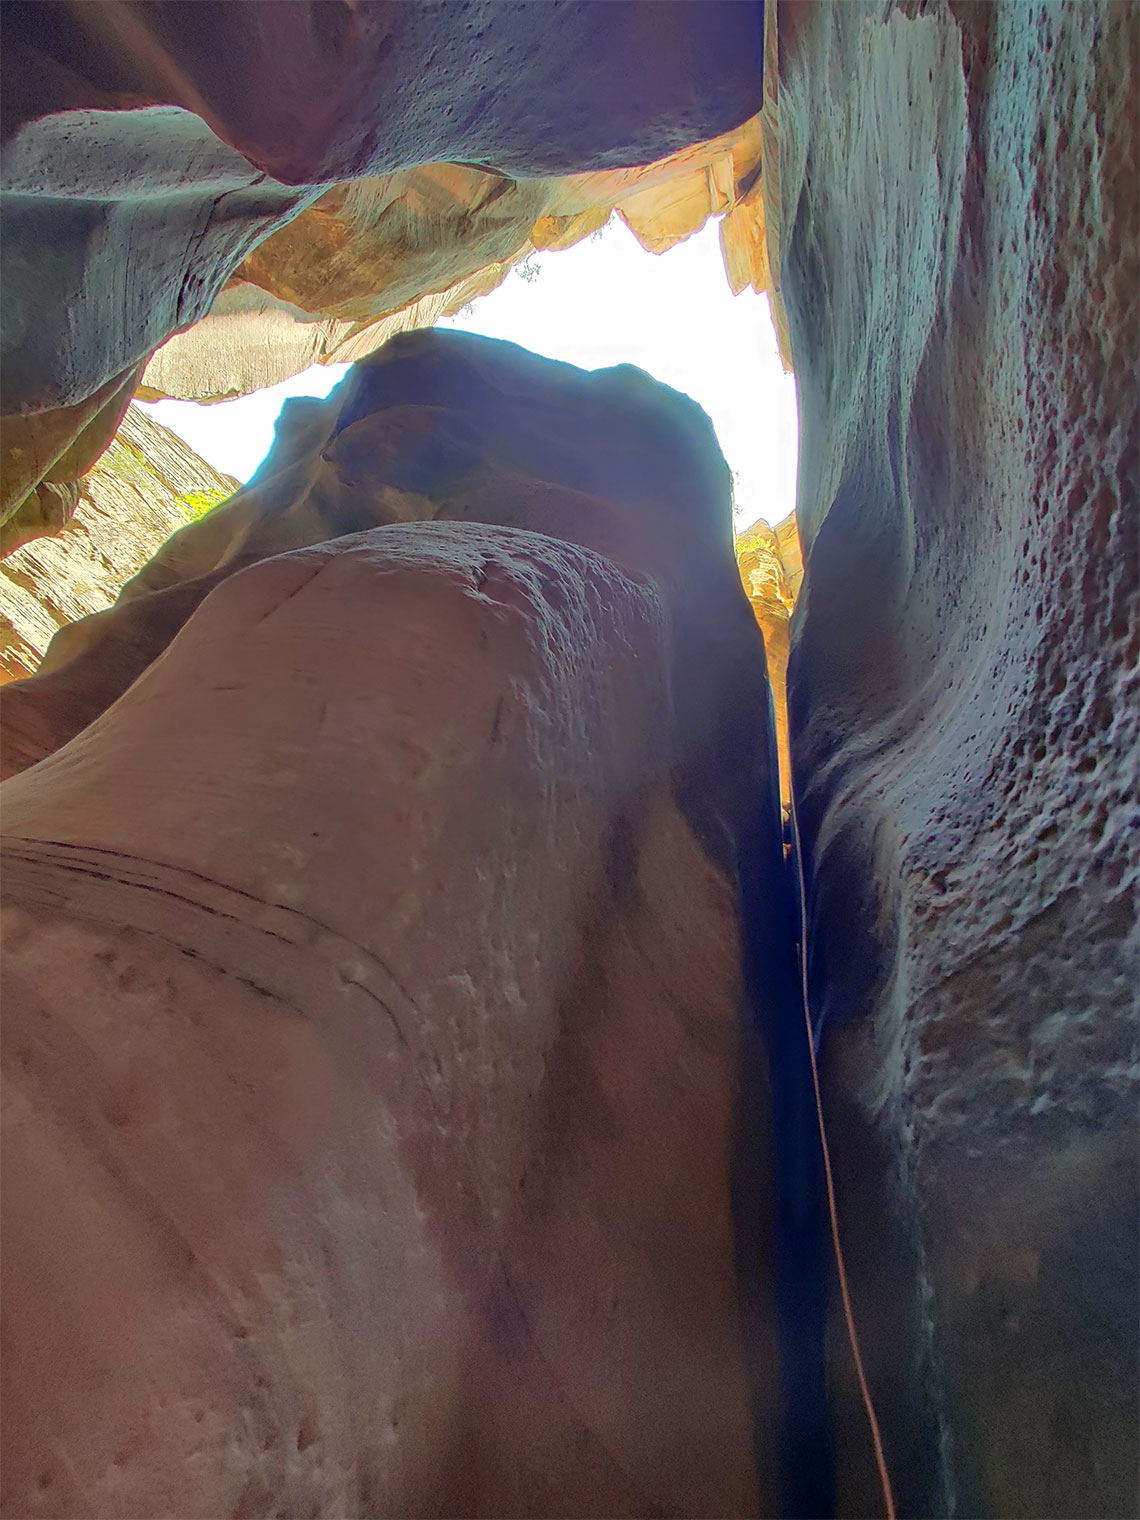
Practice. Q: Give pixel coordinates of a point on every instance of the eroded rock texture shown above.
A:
(152, 148)
(119, 227)
(960, 271)
(145, 487)
(374, 985)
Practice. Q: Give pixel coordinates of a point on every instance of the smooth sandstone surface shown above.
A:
(384, 1087)
(146, 213)
(375, 976)
(441, 424)
(961, 279)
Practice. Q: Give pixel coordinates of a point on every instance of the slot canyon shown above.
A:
(518, 1001)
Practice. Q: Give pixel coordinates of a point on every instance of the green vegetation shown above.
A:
(198, 503)
(126, 460)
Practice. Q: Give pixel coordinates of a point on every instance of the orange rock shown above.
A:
(759, 553)
(374, 978)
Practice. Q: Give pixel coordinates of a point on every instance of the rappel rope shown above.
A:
(832, 1209)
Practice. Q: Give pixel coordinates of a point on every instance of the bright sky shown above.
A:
(605, 301)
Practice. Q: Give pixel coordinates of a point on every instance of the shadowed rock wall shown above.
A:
(960, 272)
(584, 88)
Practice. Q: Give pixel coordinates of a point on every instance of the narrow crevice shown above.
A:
(789, 1189)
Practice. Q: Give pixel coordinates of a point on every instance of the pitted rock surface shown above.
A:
(961, 277)
(145, 487)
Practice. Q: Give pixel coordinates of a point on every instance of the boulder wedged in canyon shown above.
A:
(443, 425)
(374, 987)
(146, 486)
(423, 150)
(960, 274)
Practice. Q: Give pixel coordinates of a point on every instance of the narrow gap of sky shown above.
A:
(605, 301)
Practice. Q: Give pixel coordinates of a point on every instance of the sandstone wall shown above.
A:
(375, 978)
(960, 270)
(146, 486)
(361, 1195)
(952, 220)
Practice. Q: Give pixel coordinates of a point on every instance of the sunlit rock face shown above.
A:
(374, 984)
(154, 148)
(768, 580)
(145, 487)
(960, 271)
(392, 253)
